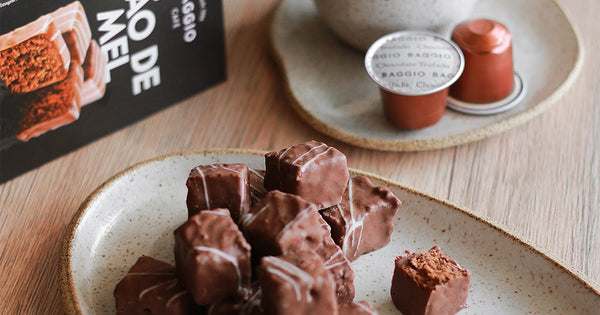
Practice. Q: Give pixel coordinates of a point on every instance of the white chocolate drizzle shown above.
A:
(94, 86)
(56, 34)
(256, 173)
(249, 218)
(351, 226)
(301, 214)
(250, 305)
(227, 257)
(364, 307)
(218, 212)
(204, 187)
(174, 297)
(68, 22)
(337, 264)
(289, 279)
(303, 167)
(255, 197)
(155, 287)
(260, 189)
(284, 267)
(306, 153)
(330, 263)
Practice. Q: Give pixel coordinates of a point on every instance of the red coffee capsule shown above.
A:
(414, 70)
(488, 76)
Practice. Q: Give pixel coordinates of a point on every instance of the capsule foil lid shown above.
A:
(414, 63)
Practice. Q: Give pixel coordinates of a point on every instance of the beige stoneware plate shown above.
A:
(135, 212)
(330, 89)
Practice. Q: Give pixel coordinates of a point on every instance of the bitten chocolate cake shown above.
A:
(280, 223)
(256, 180)
(363, 221)
(33, 56)
(212, 257)
(73, 24)
(314, 171)
(51, 107)
(219, 186)
(338, 266)
(429, 283)
(296, 284)
(358, 308)
(94, 68)
(151, 287)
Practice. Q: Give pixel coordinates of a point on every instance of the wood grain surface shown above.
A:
(542, 179)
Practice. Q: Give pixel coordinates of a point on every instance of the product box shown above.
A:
(74, 71)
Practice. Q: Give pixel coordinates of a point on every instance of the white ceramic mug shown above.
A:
(361, 22)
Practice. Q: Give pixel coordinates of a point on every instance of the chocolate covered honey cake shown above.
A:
(151, 287)
(53, 106)
(33, 56)
(429, 283)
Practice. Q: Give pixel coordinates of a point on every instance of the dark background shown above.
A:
(185, 69)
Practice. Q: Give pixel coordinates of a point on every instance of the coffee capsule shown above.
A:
(414, 71)
(489, 83)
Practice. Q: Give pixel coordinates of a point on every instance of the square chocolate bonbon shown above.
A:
(219, 186)
(314, 171)
(151, 286)
(363, 221)
(212, 257)
(297, 283)
(280, 223)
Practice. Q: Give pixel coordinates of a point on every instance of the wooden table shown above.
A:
(542, 179)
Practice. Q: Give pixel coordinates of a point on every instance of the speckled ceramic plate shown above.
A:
(135, 212)
(330, 89)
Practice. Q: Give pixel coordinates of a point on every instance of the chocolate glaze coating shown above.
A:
(338, 265)
(218, 186)
(297, 283)
(363, 221)
(151, 287)
(314, 171)
(429, 283)
(358, 308)
(256, 181)
(212, 257)
(282, 222)
(250, 306)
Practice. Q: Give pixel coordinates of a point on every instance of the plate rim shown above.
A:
(67, 286)
(429, 143)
